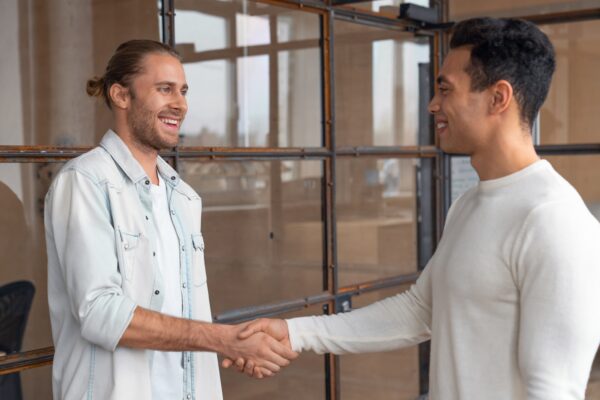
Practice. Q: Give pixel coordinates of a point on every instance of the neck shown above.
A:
(505, 155)
(147, 159)
(145, 155)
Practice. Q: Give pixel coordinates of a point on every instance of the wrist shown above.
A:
(217, 337)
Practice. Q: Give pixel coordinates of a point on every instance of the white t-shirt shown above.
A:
(167, 369)
(510, 298)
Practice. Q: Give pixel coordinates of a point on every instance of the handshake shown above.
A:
(258, 348)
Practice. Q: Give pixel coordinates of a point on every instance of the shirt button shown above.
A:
(182, 248)
(153, 254)
(189, 396)
(147, 218)
(157, 292)
(147, 182)
(184, 285)
(172, 212)
(126, 245)
(172, 178)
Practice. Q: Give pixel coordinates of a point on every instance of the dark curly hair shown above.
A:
(124, 65)
(513, 50)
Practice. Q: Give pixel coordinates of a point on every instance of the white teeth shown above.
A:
(441, 125)
(169, 121)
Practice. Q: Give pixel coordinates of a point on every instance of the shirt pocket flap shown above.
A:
(198, 267)
(198, 242)
(127, 252)
(129, 240)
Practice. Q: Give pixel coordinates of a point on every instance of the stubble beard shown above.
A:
(142, 123)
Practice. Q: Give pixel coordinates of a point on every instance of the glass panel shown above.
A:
(263, 231)
(252, 30)
(242, 81)
(299, 88)
(593, 389)
(570, 115)
(57, 46)
(208, 121)
(391, 6)
(22, 241)
(191, 28)
(293, 26)
(253, 100)
(377, 85)
(304, 378)
(462, 9)
(36, 383)
(462, 176)
(583, 172)
(376, 225)
(387, 375)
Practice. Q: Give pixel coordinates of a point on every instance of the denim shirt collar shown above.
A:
(118, 150)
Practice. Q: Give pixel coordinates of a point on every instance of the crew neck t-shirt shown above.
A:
(167, 370)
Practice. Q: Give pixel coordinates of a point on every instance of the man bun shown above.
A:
(95, 86)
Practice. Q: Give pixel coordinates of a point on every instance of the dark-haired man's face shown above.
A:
(158, 103)
(459, 113)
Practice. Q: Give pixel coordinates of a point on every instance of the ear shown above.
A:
(119, 96)
(501, 96)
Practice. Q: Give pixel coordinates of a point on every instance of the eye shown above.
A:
(184, 92)
(443, 89)
(164, 89)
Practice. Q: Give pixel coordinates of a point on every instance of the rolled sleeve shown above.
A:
(79, 221)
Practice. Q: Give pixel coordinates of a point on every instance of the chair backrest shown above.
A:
(15, 303)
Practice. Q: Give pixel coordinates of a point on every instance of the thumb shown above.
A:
(251, 329)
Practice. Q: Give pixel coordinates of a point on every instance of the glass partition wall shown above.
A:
(308, 139)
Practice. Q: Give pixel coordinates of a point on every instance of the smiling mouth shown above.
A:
(170, 122)
(441, 125)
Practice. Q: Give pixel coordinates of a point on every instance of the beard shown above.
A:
(142, 123)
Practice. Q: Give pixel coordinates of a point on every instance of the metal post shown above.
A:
(330, 282)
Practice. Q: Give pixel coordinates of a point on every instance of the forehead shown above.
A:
(161, 67)
(455, 63)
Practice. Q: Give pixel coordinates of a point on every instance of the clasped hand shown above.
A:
(262, 348)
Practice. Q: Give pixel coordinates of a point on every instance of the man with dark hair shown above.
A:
(125, 250)
(510, 298)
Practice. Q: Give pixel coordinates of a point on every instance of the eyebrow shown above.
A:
(185, 85)
(442, 79)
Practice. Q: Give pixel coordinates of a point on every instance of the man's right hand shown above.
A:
(260, 347)
(275, 328)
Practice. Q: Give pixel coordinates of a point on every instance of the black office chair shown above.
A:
(15, 303)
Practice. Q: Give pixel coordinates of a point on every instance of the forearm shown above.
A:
(152, 330)
(395, 322)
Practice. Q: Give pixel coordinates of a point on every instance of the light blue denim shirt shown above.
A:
(101, 266)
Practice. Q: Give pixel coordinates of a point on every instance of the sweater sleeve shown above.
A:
(558, 275)
(398, 321)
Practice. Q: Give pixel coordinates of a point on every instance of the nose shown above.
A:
(434, 104)
(179, 102)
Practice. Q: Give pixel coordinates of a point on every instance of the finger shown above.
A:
(287, 352)
(263, 371)
(253, 327)
(226, 363)
(239, 364)
(249, 368)
(281, 354)
(269, 365)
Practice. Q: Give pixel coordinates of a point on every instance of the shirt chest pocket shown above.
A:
(198, 267)
(128, 245)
